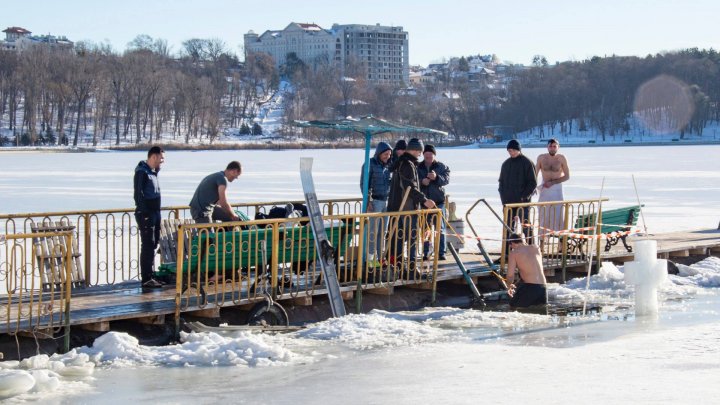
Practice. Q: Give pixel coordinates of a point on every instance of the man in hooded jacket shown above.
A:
(378, 191)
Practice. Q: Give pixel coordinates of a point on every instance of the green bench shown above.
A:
(618, 221)
(218, 252)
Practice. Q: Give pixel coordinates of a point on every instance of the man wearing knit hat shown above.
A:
(434, 175)
(517, 182)
(400, 147)
(405, 178)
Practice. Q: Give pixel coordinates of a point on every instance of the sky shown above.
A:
(514, 30)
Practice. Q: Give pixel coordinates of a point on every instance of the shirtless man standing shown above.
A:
(555, 171)
(526, 259)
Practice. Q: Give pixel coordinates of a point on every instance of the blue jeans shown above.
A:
(431, 223)
(378, 226)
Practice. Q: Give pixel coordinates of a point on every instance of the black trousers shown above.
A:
(149, 229)
(527, 294)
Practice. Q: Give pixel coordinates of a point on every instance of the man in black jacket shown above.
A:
(517, 183)
(147, 213)
(405, 177)
(434, 175)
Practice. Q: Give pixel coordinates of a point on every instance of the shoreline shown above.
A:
(340, 145)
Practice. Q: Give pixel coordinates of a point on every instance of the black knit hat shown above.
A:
(415, 144)
(430, 148)
(514, 144)
(401, 144)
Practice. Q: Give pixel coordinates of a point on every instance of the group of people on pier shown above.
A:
(398, 181)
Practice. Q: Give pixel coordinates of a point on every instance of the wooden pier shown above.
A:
(95, 308)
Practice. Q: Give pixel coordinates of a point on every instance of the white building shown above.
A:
(381, 50)
(19, 39)
(309, 42)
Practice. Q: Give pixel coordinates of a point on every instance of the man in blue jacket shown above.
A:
(434, 175)
(378, 190)
(147, 213)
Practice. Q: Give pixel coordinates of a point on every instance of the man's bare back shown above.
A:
(527, 259)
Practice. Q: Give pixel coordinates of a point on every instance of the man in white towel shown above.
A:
(555, 171)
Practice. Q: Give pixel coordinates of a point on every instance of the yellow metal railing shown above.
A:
(38, 281)
(236, 263)
(109, 242)
(540, 223)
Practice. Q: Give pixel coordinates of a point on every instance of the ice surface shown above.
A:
(370, 355)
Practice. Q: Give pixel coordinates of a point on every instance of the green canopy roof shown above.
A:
(368, 126)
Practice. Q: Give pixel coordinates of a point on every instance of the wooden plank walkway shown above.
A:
(102, 304)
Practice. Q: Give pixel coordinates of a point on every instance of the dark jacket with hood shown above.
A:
(405, 175)
(517, 180)
(146, 189)
(379, 180)
(436, 189)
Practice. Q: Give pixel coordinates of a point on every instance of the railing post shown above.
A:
(566, 225)
(598, 227)
(360, 265)
(505, 234)
(86, 243)
(436, 250)
(68, 286)
(274, 263)
(180, 263)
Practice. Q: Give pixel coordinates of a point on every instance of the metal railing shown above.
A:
(217, 265)
(236, 263)
(38, 281)
(109, 242)
(558, 228)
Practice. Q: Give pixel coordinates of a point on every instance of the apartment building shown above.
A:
(381, 50)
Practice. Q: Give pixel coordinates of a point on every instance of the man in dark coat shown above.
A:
(146, 193)
(517, 183)
(434, 175)
(405, 178)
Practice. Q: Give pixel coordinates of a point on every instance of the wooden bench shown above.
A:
(615, 224)
(218, 252)
(51, 254)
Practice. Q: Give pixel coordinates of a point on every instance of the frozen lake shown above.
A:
(439, 355)
(679, 185)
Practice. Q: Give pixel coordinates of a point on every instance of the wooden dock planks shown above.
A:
(99, 305)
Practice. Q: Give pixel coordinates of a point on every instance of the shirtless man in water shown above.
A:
(555, 171)
(526, 259)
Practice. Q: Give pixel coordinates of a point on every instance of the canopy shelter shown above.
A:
(368, 126)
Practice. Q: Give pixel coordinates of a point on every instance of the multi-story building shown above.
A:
(309, 42)
(381, 50)
(19, 39)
